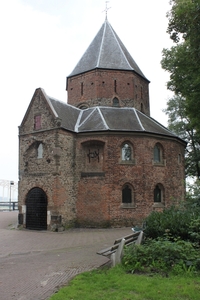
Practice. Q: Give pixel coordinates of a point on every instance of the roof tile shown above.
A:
(106, 51)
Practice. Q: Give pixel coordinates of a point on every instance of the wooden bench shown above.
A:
(115, 252)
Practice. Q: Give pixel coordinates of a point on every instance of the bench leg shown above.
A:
(116, 257)
(139, 239)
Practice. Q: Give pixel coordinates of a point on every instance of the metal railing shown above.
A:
(13, 205)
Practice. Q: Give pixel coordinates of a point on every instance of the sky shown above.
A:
(43, 40)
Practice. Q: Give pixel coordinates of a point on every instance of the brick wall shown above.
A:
(100, 87)
(54, 172)
(83, 174)
(99, 199)
(86, 189)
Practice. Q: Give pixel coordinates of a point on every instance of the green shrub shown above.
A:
(173, 222)
(194, 230)
(161, 255)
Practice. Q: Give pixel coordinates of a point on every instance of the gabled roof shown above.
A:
(67, 113)
(106, 52)
(39, 92)
(125, 119)
(101, 119)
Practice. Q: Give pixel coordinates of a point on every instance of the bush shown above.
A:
(161, 255)
(194, 230)
(173, 221)
(172, 241)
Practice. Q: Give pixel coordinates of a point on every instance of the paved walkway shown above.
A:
(34, 264)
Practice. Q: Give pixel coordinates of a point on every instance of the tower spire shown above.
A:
(106, 9)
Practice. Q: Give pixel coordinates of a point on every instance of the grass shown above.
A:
(116, 284)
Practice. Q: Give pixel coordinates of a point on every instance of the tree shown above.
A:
(179, 123)
(182, 61)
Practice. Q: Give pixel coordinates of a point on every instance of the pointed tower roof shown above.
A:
(106, 52)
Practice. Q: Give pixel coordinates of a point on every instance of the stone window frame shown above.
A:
(130, 204)
(127, 161)
(158, 191)
(160, 161)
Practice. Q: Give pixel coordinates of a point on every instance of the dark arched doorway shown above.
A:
(36, 209)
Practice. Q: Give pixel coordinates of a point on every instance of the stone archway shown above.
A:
(36, 209)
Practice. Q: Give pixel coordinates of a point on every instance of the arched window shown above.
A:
(40, 151)
(116, 102)
(157, 194)
(158, 154)
(83, 105)
(126, 194)
(126, 152)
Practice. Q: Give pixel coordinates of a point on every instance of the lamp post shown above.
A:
(11, 183)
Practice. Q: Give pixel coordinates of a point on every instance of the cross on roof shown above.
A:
(106, 9)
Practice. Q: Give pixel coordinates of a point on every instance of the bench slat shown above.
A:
(129, 239)
(135, 234)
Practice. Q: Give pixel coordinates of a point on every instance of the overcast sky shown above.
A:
(42, 41)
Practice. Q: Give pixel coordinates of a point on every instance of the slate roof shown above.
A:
(67, 113)
(106, 51)
(101, 119)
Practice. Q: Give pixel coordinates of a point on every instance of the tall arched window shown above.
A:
(157, 194)
(126, 194)
(158, 154)
(40, 151)
(126, 152)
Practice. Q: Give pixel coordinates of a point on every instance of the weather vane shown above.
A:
(106, 9)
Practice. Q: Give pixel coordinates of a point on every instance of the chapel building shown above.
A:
(98, 160)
